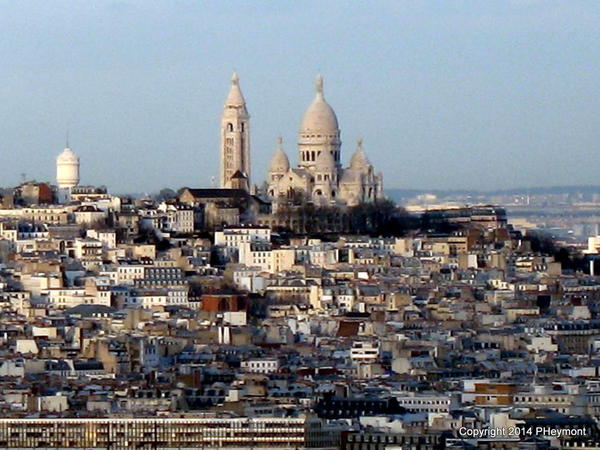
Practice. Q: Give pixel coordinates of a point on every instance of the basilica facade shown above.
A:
(319, 177)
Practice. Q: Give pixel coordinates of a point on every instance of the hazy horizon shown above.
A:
(447, 94)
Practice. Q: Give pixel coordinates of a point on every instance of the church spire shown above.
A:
(235, 98)
(359, 160)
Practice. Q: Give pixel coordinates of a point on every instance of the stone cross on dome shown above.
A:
(319, 85)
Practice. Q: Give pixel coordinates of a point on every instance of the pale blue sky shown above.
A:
(446, 94)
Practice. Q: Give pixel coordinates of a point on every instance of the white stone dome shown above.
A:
(319, 116)
(280, 162)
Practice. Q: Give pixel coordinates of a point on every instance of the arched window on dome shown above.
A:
(333, 194)
(229, 127)
(312, 156)
(318, 192)
(242, 126)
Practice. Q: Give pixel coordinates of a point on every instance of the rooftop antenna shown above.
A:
(23, 177)
(67, 139)
(213, 181)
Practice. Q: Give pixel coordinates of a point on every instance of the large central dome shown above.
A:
(319, 117)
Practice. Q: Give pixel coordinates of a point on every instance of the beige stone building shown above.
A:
(320, 177)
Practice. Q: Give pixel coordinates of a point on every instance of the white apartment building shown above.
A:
(259, 255)
(65, 298)
(107, 237)
(270, 365)
(564, 398)
(89, 214)
(149, 298)
(323, 256)
(417, 403)
(284, 258)
(233, 236)
(37, 283)
(89, 251)
(364, 351)
(249, 279)
(176, 217)
(128, 273)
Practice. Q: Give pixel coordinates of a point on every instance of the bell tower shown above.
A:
(235, 136)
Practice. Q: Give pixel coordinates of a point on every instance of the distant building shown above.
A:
(33, 193)
(486, 217)
(223, 207)
(232, 236)
(153, 432)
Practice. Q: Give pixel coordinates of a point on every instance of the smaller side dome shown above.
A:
(359, 160)
(280, 162)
